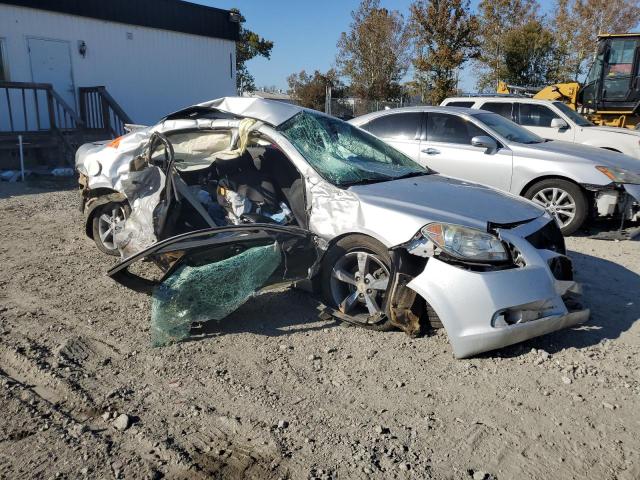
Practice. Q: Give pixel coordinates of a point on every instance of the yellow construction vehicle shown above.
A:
(611, 93)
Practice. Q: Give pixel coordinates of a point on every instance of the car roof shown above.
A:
(272, 112)
(422, 108)
(499, 99)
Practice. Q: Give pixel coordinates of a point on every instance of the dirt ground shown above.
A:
(275, 392)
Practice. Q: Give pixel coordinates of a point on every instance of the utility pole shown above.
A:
(327, 99)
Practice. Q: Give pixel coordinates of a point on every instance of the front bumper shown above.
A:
(482, 311)
(623, 200)
(633, 207)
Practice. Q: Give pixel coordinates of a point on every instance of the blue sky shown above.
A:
(305, 33)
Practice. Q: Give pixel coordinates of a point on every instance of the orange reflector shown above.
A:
(607, 172)
(436, 233)
(115, 143)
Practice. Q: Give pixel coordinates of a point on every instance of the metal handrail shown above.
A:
(99, 110)
(29, 104)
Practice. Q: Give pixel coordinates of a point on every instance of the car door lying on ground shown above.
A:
(208, 274)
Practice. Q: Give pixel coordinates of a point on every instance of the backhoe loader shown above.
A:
(610, 95)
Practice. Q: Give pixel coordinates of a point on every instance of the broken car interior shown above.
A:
(232, 196)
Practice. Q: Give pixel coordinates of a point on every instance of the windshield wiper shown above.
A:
(414, 174)
(366, 181)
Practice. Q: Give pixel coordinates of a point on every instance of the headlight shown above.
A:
(93, 168)
(466, 243)
(620, 175)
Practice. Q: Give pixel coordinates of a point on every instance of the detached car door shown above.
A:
(207, 274)
(448, 151)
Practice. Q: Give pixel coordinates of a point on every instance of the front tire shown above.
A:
(564, 200)
(103, 222)
(356, 273)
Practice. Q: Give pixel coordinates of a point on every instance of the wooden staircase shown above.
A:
(47, 123)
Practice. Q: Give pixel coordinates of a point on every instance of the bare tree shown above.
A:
(446, 36)
(374, 54)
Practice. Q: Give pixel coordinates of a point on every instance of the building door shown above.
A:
(51, 63)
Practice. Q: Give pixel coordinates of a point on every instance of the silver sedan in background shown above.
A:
(571, 181)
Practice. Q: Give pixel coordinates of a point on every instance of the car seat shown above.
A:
(247, 194)
(272, 163)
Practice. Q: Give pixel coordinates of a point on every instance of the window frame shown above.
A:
(519, 116)
(471, 103)
(619, 79)
(463, 119)
(417, 135)
(4, 62)
(513, 108)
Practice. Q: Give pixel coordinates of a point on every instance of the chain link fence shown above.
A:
(347, 108)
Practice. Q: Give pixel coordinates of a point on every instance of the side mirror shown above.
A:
(483, 141)
(559, 123)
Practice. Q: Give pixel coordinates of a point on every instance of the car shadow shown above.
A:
(610, 229)
(272, 313)
(611, 291)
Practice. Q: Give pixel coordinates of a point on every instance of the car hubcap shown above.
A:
(106, 225)
(359, 282)
(558, 203)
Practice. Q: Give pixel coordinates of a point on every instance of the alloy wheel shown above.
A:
(558, 203)
(106, 225)
(359, 282)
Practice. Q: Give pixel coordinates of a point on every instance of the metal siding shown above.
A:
(155, 73)
(172, 15)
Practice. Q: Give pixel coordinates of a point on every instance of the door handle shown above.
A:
(431, 151)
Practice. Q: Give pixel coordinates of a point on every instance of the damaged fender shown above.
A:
(486, 310)
(93, 203)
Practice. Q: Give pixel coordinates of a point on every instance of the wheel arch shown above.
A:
(332, 243)
(550, 177)
(96, 201)
(611, 149)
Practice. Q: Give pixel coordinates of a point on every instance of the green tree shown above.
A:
(446, 36)
(311, 90)
(249, 46)
(529, 55)
(577, 23)
(374, 54)
(497, 17)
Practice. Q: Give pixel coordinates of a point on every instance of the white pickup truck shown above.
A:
(554, 120)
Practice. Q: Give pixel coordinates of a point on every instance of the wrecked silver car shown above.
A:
(236, 194)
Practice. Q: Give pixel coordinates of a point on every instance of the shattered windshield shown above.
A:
(508, 129)
(343, 154)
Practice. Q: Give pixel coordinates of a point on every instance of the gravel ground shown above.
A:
(275, 392)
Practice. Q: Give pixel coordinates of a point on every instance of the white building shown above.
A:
(153, 56)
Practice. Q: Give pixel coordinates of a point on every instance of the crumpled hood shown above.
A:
(396, 210)
(574, 152)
